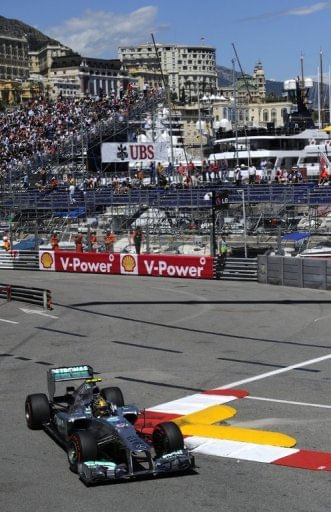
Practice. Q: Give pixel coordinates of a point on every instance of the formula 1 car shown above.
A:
(98, 431)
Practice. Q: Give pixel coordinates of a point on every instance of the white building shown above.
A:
(188, 70)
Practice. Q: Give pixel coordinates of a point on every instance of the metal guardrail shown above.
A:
(19, 260)
(36, 296)
(236, 269)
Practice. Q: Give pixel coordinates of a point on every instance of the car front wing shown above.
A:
(96, 471)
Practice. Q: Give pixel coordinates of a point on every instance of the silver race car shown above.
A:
(98, 431)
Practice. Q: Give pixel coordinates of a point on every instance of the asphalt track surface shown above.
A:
(134, 332)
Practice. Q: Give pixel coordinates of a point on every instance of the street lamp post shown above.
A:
(242, 192)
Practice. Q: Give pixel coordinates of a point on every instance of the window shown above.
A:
(265, 115)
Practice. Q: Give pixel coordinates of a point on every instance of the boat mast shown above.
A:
(321, 88)
(235, 107)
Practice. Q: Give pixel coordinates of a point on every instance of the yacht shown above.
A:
(320, 250)
(269, 152)
(298, 144)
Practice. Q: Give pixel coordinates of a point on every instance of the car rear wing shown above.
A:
(66, 373)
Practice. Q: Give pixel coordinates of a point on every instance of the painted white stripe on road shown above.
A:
(238, 449)
(275, 372)
(8, 321)
(321, 318)
(289, 402)
(36, 312)
(192, 403)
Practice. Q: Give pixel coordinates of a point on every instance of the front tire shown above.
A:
(167, 438)
(82, 447)
(37, 411)
(113, 395)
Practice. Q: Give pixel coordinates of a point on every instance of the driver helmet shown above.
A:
(100, 407)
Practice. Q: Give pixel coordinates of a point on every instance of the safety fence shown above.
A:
(236, 269)
(19, 260)
(36, 296)
(161, 265)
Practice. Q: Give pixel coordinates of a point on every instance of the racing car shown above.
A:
(98, 430)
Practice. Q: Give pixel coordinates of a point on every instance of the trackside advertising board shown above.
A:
(192, 267)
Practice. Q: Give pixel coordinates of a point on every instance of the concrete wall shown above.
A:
(299, 272)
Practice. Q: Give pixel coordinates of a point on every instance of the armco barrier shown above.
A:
(36, 296)
(236, 269)
(19, 260)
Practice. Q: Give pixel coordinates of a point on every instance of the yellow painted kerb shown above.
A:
(202, 424)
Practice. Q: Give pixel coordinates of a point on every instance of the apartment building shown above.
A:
(189, 71)
(14, 58)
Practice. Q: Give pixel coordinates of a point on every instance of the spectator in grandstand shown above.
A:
(33, 134)
(72, 189)
(181, 171)
(251, 175)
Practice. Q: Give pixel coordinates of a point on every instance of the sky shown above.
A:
(276, 33)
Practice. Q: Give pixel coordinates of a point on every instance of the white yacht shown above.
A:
(298, 144)
(320, 250)
(269, 152)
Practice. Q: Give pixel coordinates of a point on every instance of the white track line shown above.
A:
(8, 321)
(321, 318)
(36, 312)
(289, 402)
(275, 372)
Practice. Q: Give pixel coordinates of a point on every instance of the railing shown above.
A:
(236, 269)
(195, 197)
(36, 296)
(19, 260)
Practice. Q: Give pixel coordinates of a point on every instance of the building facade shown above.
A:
(73, 75)
(40, 61)
(14, 58)
(189, 71)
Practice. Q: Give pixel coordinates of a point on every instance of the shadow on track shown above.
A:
(81, 307)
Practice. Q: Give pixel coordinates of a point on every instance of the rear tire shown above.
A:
(167, 438)
(82, 447)
(37, 411)
(113, 395)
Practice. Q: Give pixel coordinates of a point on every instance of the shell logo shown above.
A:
(128, 263)
(47, 260)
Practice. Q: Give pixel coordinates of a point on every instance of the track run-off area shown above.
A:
(243, 368)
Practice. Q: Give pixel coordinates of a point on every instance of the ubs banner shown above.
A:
(193, 267)
(133, 152)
